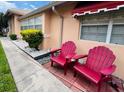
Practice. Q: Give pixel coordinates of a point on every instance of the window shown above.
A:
(22, 28)
(38, 27)
(33, 23)
(103, 27)
(38, 23)
(24, 25)
(38, 20)
(117, 36)
(94, 32)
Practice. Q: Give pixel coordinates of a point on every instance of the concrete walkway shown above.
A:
(28, 74)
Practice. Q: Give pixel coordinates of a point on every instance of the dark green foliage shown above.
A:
(13, 36)
(3, 22)
(33, 37)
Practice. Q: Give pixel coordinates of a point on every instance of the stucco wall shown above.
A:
(14, 25)
(71, 32)
(17, 27)
(51, 30)
(55, 30)
(46, 27)
(11, 25)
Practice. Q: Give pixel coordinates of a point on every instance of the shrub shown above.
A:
(33, 37)
(13, 36)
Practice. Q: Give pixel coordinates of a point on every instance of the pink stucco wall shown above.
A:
(71, 31)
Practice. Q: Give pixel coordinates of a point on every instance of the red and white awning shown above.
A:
(97, 7)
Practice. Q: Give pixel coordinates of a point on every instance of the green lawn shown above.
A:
(6, 80)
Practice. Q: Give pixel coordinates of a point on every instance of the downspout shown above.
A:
(61, 29)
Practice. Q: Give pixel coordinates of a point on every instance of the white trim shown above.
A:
(80, 31)
(118, 23)
(98, 11)
(94, 24)
(109, 31)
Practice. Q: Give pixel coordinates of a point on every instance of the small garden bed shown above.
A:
(6, 80)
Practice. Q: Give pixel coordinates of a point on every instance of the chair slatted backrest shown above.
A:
(68, 48)
(100, 57)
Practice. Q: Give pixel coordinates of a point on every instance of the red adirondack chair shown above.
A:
(66, 52)
(99, 65)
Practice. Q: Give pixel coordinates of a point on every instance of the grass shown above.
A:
(7, 83)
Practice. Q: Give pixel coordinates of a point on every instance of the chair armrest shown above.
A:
(54, 50)
(76, 57)
(108, 71)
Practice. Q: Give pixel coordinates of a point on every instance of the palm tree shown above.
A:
(3, 23)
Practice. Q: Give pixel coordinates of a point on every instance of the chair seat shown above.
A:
(59, 60)
(92, 75)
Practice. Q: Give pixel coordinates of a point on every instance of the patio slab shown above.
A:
(78, 83)
(28, 74)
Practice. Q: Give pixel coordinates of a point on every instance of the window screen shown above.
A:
(33, 23)
(94, 32)
(39, 27)
(22, 28)
(38, 20)
(117, 36)
(38, 23)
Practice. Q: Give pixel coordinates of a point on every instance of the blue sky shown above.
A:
(26, 5)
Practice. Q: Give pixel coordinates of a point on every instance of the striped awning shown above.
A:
(97, 7)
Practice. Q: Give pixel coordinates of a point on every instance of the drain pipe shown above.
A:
(61, 29)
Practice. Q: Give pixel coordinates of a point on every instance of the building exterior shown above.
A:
(14, 24)
(88, 24)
